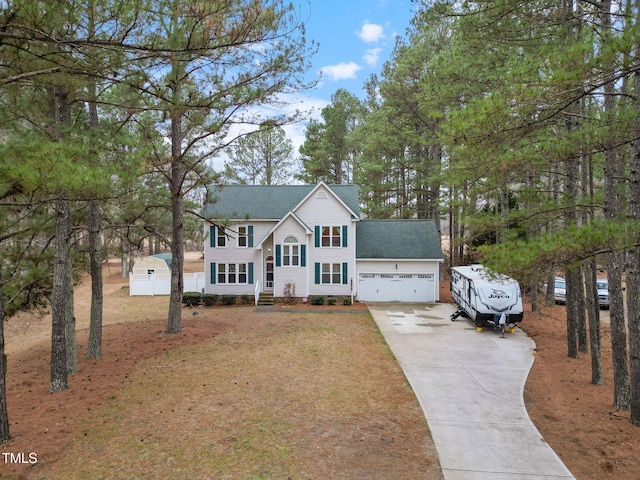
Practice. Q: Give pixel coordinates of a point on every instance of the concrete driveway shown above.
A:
(470, 386)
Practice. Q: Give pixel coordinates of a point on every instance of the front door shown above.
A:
(268, 279)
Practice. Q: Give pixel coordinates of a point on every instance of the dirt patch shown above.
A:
(577, 418)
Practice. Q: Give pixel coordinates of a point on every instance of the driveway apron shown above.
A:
(470, 385)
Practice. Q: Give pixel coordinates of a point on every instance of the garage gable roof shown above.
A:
(268, 202)
(398, 239)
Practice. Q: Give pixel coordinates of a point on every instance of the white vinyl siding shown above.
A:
(290, 241)
(233, 254)
(318, 212)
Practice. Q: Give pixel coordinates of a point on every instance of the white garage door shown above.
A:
(387, 287)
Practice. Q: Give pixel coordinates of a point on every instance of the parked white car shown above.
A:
(603, 292)
(560, 290)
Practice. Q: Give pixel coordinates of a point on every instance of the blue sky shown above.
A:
(355, 38)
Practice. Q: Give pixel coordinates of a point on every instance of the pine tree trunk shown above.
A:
(62, 287)
(573, 275)
(633, 314)
(70, 324)
(633, 266)
(94, 347)
(174, 323)
(4, 415)
(612, 205)
(621, 387)
(593, 314)
(550, 298)
(124, 256)
(581, 319)
(59, 304)
(574, 282)
(535, 297)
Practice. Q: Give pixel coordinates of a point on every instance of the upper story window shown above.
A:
(243, 237)
(290, 252)
(221, 237)
(331, 237)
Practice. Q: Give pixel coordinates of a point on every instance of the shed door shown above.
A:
(387, 287)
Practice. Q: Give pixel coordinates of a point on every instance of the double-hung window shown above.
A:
(290, 252)
(331, 273)
(242, 273)
(243, 236)
(221, 237)
(232, 273)
(331, 237)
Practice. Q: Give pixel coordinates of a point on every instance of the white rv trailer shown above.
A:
(487, 299)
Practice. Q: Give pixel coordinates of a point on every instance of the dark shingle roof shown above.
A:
(267, 201)
(398, 239)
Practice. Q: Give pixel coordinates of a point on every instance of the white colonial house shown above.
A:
(267, 238)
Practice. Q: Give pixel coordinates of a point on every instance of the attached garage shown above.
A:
(389, 287)
(398, 261)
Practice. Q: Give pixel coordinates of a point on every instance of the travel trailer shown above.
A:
(485, 297)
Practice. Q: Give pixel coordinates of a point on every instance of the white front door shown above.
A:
(268, 273)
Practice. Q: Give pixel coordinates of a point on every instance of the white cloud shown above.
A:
(370, 32)
(341, 71)
(371, 56)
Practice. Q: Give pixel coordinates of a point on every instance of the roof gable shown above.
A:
(398, 239)
(323, 188)
(306, 228)
(269, 202)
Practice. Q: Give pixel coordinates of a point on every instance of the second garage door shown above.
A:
(387, 287)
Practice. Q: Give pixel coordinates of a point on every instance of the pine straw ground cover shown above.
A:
(240, 394)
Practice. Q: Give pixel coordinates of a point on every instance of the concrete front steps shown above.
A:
(265, 299)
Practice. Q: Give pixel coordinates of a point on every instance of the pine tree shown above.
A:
(263, 157)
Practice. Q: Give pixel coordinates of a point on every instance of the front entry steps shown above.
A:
(265, 299)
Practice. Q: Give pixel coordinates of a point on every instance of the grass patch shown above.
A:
(275, 397)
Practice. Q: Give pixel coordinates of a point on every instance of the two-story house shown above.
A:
(311, 239)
